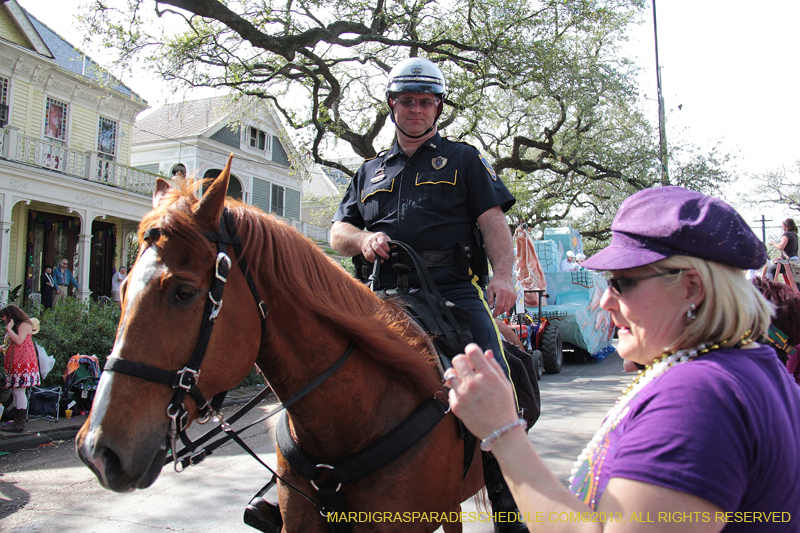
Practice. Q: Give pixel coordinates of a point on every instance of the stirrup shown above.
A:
(262, 514)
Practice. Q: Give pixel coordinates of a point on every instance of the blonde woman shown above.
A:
(709, 430)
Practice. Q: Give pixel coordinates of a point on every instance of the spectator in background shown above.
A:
(569, 264)
(787, 245)
(20, 361)
(48, 287)
(116, 281)
(64, 278)
(784, 331)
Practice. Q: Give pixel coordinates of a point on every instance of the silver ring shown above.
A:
(449, 374)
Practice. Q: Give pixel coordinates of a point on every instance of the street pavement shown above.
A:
(46, 488)
(46, 430)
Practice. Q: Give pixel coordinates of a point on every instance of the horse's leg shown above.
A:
(454, 527)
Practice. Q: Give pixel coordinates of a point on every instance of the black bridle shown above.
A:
(184, 381)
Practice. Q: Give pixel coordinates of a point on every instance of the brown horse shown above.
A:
(315, 311)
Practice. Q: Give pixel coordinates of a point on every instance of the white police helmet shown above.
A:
(416, 75)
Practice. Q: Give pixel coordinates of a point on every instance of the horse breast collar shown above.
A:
(185, 380)
(350, 469)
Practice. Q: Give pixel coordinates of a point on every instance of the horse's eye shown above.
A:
(183, 293)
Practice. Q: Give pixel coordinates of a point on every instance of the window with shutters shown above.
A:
(55, 120)
(3, 102)
(259, 139)
(277, 199)
(107, 138)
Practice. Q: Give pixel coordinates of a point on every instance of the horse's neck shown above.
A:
(360, 402)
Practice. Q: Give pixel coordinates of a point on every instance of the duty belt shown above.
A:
(437, 258)
(432, 259)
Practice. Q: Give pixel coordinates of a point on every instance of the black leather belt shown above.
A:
(436, 258)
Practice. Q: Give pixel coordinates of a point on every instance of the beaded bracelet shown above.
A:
(486, 444)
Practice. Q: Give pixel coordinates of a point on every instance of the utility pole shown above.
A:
(662, 120)
(764, 228)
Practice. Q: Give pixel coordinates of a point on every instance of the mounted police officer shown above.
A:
(434, 194)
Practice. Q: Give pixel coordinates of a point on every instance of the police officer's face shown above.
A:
(415, 113)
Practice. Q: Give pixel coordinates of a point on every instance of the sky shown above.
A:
(730, 65)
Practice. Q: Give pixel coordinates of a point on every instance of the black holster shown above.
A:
(480, 260)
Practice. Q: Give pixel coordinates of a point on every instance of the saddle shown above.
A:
(448, 326)
(446, 323)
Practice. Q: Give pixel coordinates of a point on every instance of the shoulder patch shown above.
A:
(489, 168)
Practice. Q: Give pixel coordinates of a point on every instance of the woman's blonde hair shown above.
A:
(732, 305)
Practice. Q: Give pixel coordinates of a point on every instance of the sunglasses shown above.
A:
(620, 285)
(425, 103)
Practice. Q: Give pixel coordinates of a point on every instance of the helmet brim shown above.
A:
(398, 87)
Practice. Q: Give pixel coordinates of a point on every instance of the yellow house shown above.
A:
(66, 188)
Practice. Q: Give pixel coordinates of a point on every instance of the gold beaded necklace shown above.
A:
(584, 477)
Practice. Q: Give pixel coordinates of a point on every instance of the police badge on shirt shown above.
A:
(438, 163)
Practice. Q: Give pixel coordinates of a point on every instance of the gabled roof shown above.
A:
(70, 58)
(184, 119)
(19, 30)
(194, 118)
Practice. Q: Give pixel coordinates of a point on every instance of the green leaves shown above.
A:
(76, 327)
(540, 86)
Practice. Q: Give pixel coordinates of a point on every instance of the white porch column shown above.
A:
(85, 254)
(5, 244)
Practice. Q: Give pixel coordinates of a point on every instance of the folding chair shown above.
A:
(44, 403)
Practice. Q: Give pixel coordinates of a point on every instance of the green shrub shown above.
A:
(76, 327)
(87, 328)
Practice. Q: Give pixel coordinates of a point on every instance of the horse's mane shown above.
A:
(308, 282)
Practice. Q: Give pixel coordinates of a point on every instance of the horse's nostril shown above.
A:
(110, 459)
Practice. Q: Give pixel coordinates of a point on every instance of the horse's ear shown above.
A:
(210, 206)
(162, 187)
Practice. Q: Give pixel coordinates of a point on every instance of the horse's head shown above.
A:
(124, 440)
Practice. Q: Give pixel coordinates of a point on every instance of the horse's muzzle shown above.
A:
(106, 464)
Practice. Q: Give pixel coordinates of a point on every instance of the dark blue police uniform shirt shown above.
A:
(430, 201)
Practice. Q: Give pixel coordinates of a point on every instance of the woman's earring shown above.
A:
(690, 314)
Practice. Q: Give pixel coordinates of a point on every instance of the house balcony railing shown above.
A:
(315, 233)
(85, 165)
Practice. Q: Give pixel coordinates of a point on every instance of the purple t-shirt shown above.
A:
(724, 427)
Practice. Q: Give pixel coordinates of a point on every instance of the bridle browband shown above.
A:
(185, 380)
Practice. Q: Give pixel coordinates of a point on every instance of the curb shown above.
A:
(13, 444)
(32, 441)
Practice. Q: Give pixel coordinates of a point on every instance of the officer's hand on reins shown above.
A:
(501, 295)
(375, 244)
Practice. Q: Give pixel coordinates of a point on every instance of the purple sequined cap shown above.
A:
(654, 224)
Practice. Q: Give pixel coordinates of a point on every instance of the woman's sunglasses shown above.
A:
(620, 285)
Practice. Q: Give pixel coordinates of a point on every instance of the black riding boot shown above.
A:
(500, 496)
(263, 515)
(18, 425)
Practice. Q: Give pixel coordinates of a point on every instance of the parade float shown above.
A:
(563, 307)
